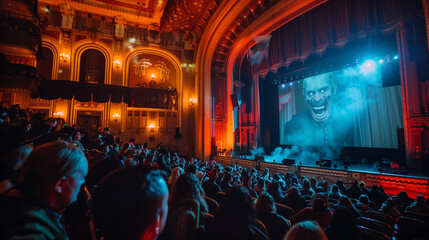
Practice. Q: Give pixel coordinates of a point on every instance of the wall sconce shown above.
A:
(64, 57)
(151, 126)
(188, 67)
(193, 101)
(58, 114)
(117, 63)
(116, 117)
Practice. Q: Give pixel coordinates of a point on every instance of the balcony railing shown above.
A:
(84, 92)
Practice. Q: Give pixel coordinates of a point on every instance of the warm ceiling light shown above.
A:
(117, 63)
(116, 116)
(59, 114)
(64, 57)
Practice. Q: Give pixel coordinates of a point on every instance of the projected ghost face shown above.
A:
(317, 92)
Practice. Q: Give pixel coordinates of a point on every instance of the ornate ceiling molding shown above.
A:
(188, 15)
(148, 14)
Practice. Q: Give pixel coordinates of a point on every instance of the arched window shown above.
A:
(92, 64)
(45, 63)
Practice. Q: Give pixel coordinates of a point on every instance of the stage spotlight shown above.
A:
(291, 84)
(381, 61)
(283, 85)
(368, 67)
(395, 57)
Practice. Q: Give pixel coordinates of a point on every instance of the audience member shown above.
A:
(101, 169)
(246, 184)
(324, 184)
(226, 182)
(306, 230)
(363, 204)
(186, 209)
(354, 191)
(389, 208)
(235, 218)
(343, 225)
(306, 188)
(319, 212)
(362, 187)
(211, 188)
(131, 203)
(419, 205)
(76, 140)
(294, 200)
(275, 191)
(49, 180)
(277, 226)
(260, 186)
(403, 199)
(13, 159)
(375, 196)
(313, 183)
(346, 202)
(334, 193)
(340, 184)
(200, 176)
(192, 169)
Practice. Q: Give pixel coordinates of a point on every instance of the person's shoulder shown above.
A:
(38, 223)
(257, 234)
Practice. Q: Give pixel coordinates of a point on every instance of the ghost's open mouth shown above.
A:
(320, 112)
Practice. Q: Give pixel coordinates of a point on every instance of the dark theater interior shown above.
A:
(214, 119)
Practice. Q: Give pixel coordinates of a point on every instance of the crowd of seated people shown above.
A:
(60, 183)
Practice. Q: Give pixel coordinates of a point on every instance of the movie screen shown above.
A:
(348, 107)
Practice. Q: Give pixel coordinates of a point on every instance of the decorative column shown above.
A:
(65, 42)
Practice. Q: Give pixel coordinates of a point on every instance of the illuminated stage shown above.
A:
(392, 183)
(361, 109)
(341, 118)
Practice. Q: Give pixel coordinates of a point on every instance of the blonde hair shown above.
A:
(49, 162)
(175, 174)
(306, 230)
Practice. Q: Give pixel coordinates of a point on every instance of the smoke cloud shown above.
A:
(301, 154)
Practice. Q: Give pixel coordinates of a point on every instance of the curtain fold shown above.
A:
(334, 24)
(381, 116)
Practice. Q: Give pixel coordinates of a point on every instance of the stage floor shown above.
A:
(356, 166)
(394, 181)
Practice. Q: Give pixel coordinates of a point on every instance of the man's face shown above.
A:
(73, 184)
(317, 92)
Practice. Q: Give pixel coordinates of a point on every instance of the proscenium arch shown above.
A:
(224, 17)
(53, 46)
(86, 45)
(167, 56)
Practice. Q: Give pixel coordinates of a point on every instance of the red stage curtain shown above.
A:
(334, 24)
